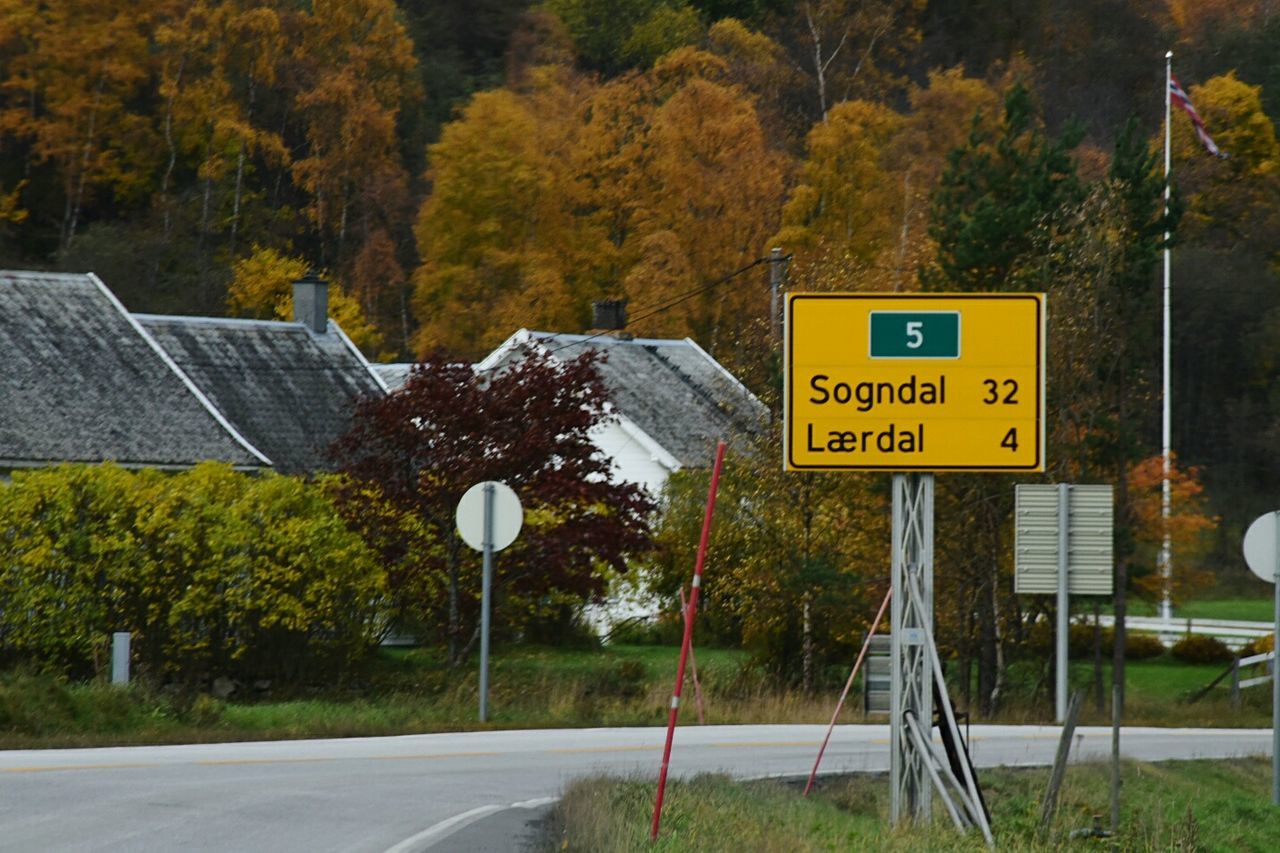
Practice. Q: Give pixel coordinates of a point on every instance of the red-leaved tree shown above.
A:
(526, 424)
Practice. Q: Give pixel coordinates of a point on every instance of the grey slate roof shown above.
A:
(672, 389)
(394, 375)
(289, 390)
(80, 381)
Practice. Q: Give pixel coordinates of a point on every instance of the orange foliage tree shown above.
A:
(1188, 526)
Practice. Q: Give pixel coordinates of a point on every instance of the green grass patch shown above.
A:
(414, 691)
(1245, 609)
(1175, 805)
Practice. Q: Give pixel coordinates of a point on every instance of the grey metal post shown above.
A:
(1064, 609)
(1115, 759)
(775, 287)
(911, 653)
(1275, 678)
(120, 642)
(485, 583)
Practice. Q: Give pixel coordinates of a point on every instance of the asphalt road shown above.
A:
(411, 793)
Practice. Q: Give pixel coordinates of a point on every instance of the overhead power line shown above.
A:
(646, 313)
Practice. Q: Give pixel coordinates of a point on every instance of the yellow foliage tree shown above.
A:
(857, 218)
(262, 287)
(355, 63)
(544, 200)
(1231, 200)
(841, 213)
(68, 90)
(489, 231)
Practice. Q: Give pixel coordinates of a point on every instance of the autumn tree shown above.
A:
(651, 187)
(840, 217)
(1189, 526)
(262, 287)
(354, 68)
(526, 423)
(490, 232)
(796, 565)
(858, 216)
(71, 74)
(849, 50)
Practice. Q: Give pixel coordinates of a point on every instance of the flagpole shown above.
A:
(1166, 568)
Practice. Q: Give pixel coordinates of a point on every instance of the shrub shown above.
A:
(1140, 645)
(1200, 648)
(627, 679)
(213, 572)
(1259, 645)
(662, 630)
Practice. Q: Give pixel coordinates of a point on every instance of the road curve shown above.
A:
(406, 793)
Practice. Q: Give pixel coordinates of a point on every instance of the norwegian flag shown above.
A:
(1179, 98)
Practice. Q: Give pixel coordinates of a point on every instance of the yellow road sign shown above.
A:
(914, 382)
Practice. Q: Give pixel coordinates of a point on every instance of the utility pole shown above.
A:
(775, 290)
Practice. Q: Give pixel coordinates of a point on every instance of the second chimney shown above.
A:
(609, 314)
(311, 302)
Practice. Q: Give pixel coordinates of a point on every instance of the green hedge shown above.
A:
(213, 572)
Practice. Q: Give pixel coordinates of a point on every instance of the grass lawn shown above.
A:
(1175, 805)
(1260, 609)
(412, 691)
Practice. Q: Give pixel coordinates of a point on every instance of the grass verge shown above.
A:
(412, 691)
(1175, 805)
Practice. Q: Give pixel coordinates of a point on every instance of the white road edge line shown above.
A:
(436, 833)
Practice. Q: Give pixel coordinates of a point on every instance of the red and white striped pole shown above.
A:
(690, 613)
(858, 663)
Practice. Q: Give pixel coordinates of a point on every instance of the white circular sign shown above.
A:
(1260, 547)
(508, 516)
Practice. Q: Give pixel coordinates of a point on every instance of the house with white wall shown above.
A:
(670, 401)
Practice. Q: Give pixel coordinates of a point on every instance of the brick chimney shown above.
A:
(311, 302)
(609, 315)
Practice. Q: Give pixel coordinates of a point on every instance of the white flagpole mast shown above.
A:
(1166, 568)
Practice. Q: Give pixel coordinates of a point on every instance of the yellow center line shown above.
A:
(765, 743)
(52, 768)
(580, 749)
(236, 762)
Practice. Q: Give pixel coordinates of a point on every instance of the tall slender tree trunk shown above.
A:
(167, 215)
(987, 654)
(201, 244)
(1121, 602)
(72, 212)
(998, 640)
(239, 183)
(808, 645)
(455, 616)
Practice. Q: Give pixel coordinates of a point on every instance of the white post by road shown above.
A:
(120, 657)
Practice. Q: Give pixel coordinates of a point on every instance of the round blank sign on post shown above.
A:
(1260, 544)
(508, 516)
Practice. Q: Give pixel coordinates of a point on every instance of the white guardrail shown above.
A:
(1235, 633)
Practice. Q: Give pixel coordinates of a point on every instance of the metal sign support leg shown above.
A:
(916, 765)
(910, 651)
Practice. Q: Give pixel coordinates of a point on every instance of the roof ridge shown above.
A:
(179, 372)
